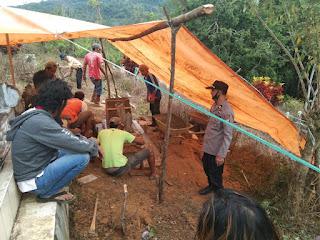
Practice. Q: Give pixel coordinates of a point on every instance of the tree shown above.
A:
(301, 21)
(95, 4)
(235, 35)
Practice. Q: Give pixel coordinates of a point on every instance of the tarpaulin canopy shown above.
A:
(27, 26)
(196, 66)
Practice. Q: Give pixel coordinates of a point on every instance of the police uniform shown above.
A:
(216, 142)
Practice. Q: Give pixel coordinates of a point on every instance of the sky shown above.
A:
(7, 3)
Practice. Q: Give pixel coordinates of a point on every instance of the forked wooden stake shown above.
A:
(93, 223)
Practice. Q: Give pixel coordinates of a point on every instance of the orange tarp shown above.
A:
(27, 26)
(196, 68)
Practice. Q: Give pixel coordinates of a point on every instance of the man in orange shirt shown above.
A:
(75, 110)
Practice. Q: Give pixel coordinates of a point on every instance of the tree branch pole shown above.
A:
(112, 78)
(174, 22)
(105, 67)
(174, 31)
(10, 59)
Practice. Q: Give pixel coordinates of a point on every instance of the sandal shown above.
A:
(52, 198)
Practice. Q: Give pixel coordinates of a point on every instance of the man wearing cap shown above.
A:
(94, 60)
(114, 162)
(217, 138)
(73, 64)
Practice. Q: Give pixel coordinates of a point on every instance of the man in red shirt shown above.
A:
(94, 60)
(74, 111)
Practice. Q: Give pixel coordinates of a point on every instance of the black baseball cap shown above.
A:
(220, 86)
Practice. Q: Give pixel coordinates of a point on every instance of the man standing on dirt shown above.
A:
(153, 94)
(114, 162)
(94, 60)
(73, 64)
(217, 138)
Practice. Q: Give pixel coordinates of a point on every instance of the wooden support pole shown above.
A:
(10, 59)
(175, 25)
(174, 22)
(105, 66)
(167, 134)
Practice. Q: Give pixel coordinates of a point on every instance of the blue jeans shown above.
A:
(97, 85)
(60, 172)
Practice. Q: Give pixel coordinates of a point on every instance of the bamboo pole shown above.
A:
(10, 59)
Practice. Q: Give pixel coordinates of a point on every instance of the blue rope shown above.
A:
(292, 156)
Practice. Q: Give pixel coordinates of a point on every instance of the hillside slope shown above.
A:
(113, 12)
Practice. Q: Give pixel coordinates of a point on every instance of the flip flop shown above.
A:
(53, 198)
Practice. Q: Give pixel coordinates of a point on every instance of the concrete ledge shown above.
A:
(9, 199)
(45, 221)
(27, 219)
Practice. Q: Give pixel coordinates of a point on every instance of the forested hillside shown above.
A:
(113, 12)
(232, 32)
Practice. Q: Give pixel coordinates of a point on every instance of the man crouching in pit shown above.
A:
(114, 162)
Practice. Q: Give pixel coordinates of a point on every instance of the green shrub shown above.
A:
(291, 105)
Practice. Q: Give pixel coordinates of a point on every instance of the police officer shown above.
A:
(217, 137)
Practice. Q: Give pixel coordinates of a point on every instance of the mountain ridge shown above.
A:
(113, 12)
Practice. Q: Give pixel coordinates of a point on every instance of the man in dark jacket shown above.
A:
(45, 156)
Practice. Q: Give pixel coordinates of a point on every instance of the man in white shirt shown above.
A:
(73, 64)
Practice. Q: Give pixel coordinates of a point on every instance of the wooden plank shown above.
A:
(87, 179)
